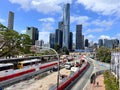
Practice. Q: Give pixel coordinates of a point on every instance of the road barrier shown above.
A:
(71, 79)
(88, 84)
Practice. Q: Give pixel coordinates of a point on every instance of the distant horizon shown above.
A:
(100, 19)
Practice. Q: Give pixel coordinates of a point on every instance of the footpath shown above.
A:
(100, 85)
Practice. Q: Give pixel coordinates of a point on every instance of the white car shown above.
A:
(74, 69)
(68, 65)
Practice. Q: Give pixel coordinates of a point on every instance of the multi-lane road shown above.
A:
(94, 67)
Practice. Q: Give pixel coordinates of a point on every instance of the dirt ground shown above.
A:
(39, 84)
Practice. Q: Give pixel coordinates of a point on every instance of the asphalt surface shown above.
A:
(81, 82)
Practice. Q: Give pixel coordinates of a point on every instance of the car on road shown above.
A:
(68, 65)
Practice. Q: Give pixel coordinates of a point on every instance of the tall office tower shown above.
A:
(83, 44)
(58, 37)
(66, 24)
(100, 42)
(52, 40)
(33, 33)
(79, 37)
(70, 41)
(86, 43)
(60, 25)
(11, 20)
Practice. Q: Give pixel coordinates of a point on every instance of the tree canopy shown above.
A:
(13, 43)
(103, 54)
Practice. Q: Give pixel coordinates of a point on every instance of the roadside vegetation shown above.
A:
(103, 54)
(111, 82)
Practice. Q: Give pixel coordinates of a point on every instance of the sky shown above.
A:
(100, 18)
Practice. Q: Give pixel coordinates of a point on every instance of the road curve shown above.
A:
(81, 82)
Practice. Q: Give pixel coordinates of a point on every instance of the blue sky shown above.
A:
(100, 18)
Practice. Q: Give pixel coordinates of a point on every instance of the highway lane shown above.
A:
(95, 66)
(82, 80)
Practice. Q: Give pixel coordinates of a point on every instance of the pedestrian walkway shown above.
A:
(100, 86)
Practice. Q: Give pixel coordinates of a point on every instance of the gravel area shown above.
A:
(39, 83)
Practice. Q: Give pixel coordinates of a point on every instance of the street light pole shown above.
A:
(58, 62)
(58, 65)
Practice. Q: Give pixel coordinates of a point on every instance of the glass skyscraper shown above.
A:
(66, 24)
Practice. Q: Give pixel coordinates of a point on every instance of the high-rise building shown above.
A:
(60, 25)
(33, 33)
(66, 24)
(52, 40)
(11, 20)
(83, 44)
(58, 37)
(100, 42)
(112, 43)
(71, 41)
(39, 43)
(86, 43)
(79, 37)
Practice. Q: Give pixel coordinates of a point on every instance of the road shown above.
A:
(79, 85)
(95, 66)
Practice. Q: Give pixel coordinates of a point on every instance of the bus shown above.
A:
(23, 64)
(6, 67)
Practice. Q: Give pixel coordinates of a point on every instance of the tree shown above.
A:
(65, 50)
(10, 38)
(24, 43)
(57, 48)
(13, 42)
(103, 54)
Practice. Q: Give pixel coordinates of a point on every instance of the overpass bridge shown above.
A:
(13, 60)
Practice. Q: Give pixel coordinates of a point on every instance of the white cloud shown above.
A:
(49, 19)
(23, 31)
(104, 37)
(46, 29)
(2, 20)
(79, 19)
(90, 37)
(117, 36)
(43, 6)
(105, 7)
(102, 23)
(44, 35)
(25, 4)
(96, 30)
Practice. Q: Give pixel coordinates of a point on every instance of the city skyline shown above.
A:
(99, 20)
